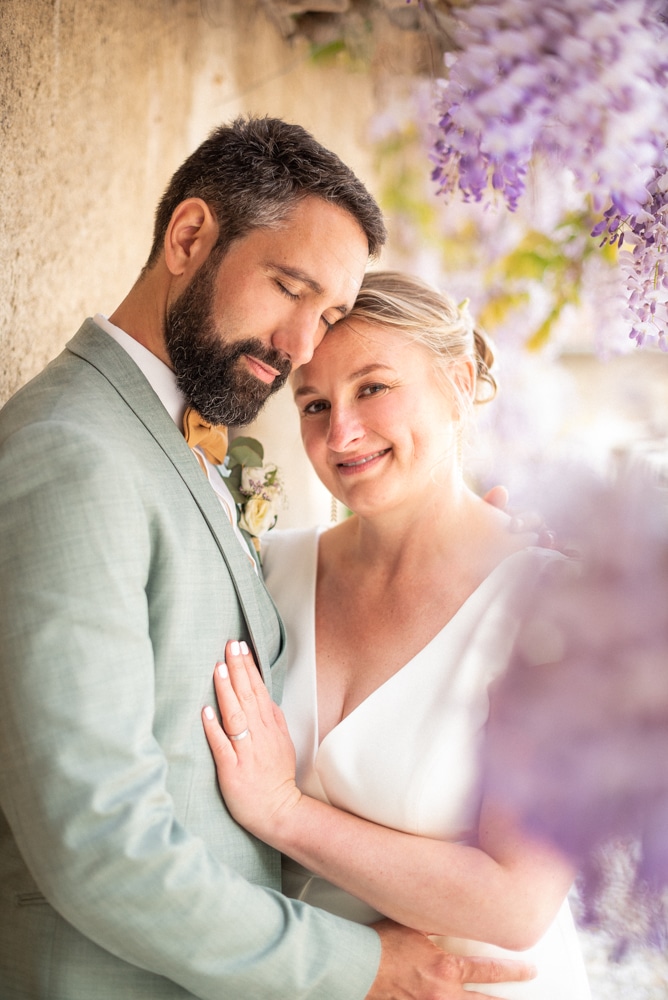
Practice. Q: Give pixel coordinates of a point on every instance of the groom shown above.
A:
(122, 577)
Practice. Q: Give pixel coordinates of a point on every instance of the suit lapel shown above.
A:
(103, 353)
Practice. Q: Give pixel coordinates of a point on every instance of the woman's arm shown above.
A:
(506, 890)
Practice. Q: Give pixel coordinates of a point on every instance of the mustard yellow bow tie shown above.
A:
(211, 438)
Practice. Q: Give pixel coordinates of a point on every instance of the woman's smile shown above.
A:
(355, 465)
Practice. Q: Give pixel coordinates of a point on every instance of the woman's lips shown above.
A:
(354, 465)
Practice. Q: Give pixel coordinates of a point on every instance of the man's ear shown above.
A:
(191, 234)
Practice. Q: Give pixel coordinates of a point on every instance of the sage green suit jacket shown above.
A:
(121, 873)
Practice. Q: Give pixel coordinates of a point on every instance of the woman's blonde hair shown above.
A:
(433, 319)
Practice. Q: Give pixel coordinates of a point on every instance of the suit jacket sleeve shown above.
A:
(82, 774)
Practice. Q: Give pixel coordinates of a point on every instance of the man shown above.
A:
(123, 876)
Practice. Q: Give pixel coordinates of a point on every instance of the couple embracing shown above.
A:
(125, 578)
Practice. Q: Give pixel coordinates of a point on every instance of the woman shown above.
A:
(398, 620)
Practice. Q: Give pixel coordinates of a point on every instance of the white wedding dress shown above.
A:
(406, 757)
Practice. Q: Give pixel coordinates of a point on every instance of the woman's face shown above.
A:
(377, 425)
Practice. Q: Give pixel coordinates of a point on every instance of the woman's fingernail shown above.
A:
(208, 711)
(234, 648)
(244, 647)
(222, 670)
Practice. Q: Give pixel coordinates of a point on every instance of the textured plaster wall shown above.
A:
(100, 100)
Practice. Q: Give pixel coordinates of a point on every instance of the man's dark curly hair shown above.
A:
(252, 172)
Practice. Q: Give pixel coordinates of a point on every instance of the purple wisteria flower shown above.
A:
(584, 83)
(578, 736)
(577, 743)
(644, 232)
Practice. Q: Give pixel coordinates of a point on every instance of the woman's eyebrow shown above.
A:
(309, 390)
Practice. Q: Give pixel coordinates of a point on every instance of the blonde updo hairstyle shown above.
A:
(411, 307)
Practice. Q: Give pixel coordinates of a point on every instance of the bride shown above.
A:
(398, 620)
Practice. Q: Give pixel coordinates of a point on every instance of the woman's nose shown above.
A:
(344, 429)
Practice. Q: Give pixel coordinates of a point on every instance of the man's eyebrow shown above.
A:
(309, 390)
(306, 279)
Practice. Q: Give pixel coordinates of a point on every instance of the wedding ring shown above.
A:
(239, 736)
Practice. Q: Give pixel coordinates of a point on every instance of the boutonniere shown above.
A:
(257, 488)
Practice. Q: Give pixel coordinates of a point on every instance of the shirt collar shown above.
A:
(160, 377)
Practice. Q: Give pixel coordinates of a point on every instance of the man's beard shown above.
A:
(209, 372)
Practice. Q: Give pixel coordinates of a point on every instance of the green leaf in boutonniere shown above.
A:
(243, 452)
(257, 488)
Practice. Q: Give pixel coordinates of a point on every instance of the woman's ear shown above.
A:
(464, 376)
(191, 235)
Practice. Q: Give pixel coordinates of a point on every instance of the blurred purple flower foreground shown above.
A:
(578, 733)
(585, 84)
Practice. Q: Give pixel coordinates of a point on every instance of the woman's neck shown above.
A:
(434, 525)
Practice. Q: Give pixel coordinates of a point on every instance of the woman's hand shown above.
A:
(254, 755)
(522, 522)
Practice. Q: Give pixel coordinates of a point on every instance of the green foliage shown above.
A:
(402, 168)
(244, 452)
(323, 54)
(556, 262)
(350, 44)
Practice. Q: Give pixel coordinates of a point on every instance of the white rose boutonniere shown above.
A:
(256, 487)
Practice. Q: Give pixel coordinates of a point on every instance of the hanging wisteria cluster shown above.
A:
(584, 83)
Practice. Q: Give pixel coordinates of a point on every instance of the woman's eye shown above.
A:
(288, 294)
(372, 390)
(317, 406)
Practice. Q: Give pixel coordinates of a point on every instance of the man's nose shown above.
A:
(299, 337)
